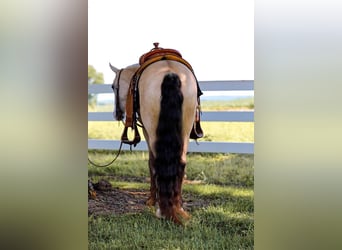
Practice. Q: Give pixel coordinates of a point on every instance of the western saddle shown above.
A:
(132, 103)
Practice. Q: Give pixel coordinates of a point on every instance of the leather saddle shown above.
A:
(132, 103)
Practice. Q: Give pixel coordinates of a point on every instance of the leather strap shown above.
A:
(130, 121)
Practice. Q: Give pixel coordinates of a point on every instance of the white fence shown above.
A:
(201, 146)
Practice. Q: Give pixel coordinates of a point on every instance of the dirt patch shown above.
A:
(117, 201)
(106, 200)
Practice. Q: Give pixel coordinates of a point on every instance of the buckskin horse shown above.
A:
(162, 94)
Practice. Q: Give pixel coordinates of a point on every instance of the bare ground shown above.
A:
(108, 200)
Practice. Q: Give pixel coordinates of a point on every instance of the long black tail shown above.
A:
(169, 146)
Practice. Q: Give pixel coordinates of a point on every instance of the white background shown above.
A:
(216, 37)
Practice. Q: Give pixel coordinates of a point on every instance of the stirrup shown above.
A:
(135, 141)
(196, 131)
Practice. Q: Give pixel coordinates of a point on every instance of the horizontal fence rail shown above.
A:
(208, 147)
(205, 86)
(211, 116)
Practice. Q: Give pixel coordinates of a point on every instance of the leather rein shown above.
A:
(118, 113)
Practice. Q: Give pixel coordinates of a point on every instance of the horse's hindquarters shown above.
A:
(150, 97)
(167, 92)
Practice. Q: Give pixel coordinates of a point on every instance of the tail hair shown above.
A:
(169, 147)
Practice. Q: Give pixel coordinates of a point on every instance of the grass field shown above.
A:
(223, 218)
(213, 131)
(227, 223)
(221, 192)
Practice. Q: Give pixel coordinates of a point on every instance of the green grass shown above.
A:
(224, 217)
(212, 229)
(243, 103)
(222, 169)
(213, 131)
(226, 223)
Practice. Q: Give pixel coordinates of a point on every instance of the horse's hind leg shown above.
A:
(178, 194)
(151, 201)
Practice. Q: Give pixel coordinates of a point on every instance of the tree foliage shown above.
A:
(94, 77)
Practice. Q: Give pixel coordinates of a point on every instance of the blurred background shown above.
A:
(297, 122)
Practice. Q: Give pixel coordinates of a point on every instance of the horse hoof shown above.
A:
(158, 213)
